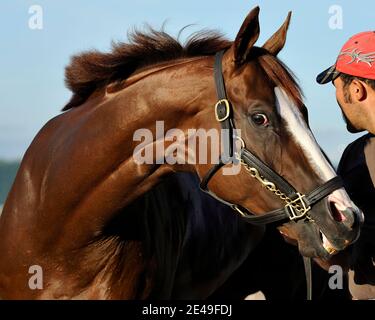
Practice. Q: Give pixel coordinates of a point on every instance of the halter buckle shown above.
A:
(218, 115)
(297, 208)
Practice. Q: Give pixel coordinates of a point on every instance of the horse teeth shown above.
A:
(327, 245)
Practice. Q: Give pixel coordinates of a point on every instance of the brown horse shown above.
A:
(80, 170)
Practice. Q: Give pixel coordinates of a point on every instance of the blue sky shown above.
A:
(32, 61)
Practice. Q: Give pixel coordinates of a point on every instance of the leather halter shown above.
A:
(297, 205)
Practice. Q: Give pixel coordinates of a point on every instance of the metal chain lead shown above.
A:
(296, 208)
(266, 184)
(272, 187)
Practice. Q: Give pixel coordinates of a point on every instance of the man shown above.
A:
(353, 75)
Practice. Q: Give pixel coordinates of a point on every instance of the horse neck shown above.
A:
(163, 98)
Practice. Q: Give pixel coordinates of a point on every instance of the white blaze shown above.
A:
(302, 135)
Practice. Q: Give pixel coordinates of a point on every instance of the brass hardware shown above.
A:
(227, 110)
(295, 208)
(240, 140)
(265, 183)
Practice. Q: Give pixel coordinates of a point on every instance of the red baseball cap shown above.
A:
(356, 58)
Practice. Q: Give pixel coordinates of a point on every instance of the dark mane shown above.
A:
(93, 69)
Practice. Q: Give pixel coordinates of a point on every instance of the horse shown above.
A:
(82, 168)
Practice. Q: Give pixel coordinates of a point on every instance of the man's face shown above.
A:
(351, 112)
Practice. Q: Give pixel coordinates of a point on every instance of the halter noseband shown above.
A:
(297, 205)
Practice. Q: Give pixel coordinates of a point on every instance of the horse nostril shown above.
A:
(336, 213)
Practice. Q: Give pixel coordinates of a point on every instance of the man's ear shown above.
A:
(275, 44)
(358, 90)
(246, 37)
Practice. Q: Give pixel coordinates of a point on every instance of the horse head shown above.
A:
(281, 167)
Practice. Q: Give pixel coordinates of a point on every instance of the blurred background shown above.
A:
(37, 39)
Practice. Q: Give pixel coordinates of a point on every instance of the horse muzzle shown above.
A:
(345, 223)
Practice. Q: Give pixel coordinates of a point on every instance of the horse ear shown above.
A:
(274, 44)
(246, 36)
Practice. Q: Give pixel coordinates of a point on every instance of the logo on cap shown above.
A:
(358, 56)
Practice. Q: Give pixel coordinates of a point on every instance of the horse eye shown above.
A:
(260, 119)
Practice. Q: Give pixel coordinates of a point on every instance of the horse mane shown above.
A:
(92, 70)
